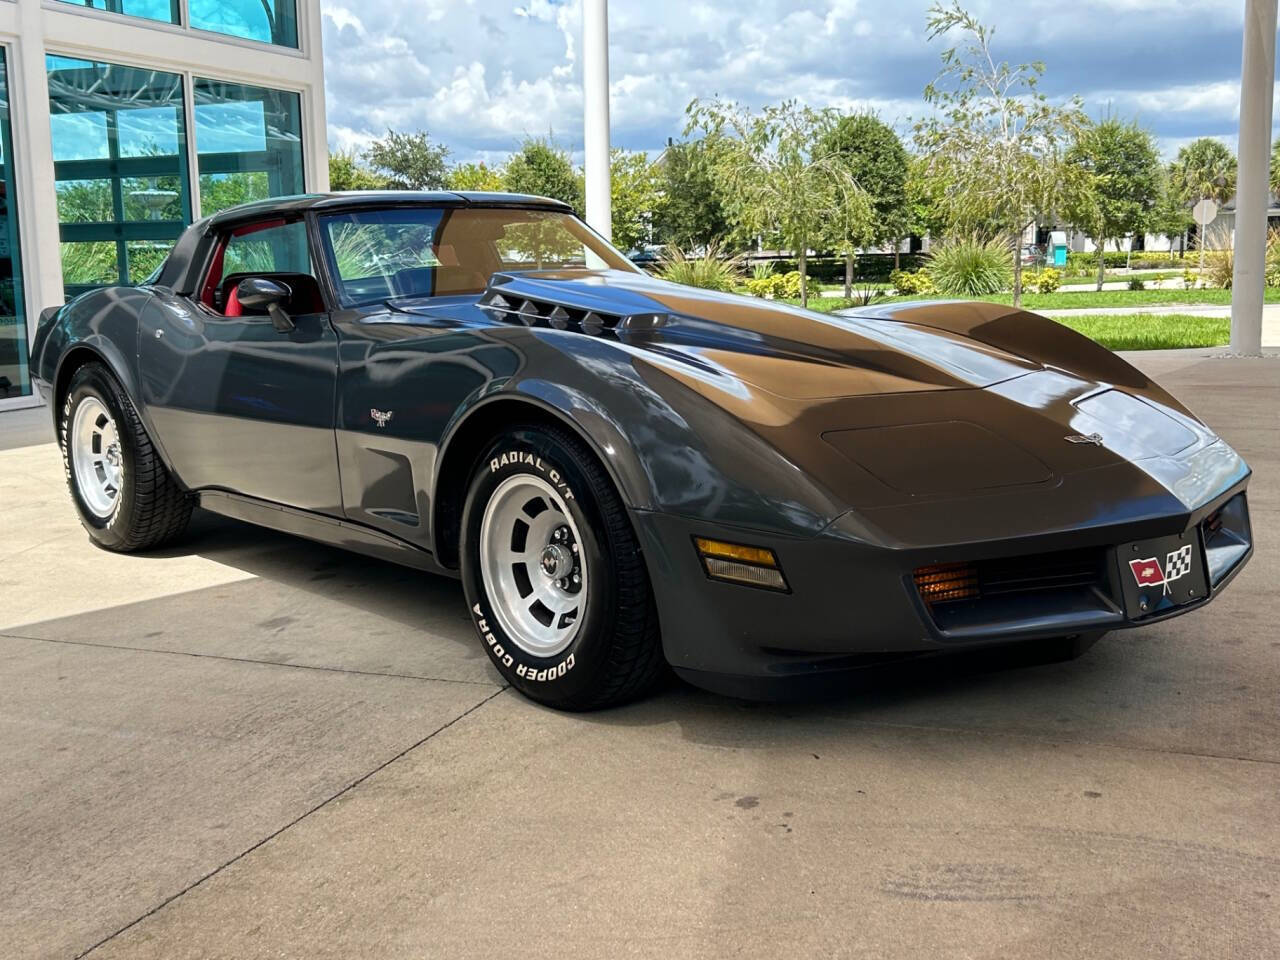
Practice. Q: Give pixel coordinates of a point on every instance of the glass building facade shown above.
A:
(249, 143)
(122, 121)
(267, 21)
(120, 164)
(121, 151)
(14, 378)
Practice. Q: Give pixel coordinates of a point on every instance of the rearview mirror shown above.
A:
(261, 293)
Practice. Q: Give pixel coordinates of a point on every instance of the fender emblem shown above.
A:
(381, 417)
(1094, 438)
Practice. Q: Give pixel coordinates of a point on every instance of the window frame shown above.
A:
(204, 291)
(335, 284)
(183, 25)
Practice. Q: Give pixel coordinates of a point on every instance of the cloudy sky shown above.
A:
(480, 75)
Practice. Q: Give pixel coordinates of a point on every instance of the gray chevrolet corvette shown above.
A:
(628, 474)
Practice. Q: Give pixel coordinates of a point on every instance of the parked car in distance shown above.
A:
(647, 255)
(626, 473)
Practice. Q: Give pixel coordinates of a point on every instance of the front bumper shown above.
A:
(853, 602)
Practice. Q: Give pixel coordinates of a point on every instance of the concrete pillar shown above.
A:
(595, 97)
(1257, 80)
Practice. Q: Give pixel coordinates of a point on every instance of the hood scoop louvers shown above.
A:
(514, 308)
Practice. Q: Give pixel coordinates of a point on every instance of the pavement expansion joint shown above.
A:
(292, 823)
(264, 663)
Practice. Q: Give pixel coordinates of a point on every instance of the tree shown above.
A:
(691, 213)
(1205, 170)
(774, 173)
(542, 169)
(347, 172)
(878, 163)
(1172, 215)
(993, 148)
(1118, 184)
(475, 176)
(924, 204)
(635, 196)
(409, 161)
(221, 190)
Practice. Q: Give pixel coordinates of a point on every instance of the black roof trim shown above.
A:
(374, 198)
(187, 257)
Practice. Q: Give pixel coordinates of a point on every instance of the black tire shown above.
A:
(150, 509)
(616, 655)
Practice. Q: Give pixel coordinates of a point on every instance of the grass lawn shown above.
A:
(1134, 331)
(1089, 299)
(1152, 331)
(1080, 299)
(1143, 275)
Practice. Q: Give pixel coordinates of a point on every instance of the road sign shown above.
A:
(1204, 211)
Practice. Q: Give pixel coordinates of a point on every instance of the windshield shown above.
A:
(437, 252)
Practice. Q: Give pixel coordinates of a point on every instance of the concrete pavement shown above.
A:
(255, 747)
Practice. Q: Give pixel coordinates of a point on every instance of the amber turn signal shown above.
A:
(947, 581)
(737, 563)
(736, 551)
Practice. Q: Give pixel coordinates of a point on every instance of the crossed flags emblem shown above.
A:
(1149, 572)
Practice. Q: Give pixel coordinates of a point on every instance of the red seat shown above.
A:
(233, 304)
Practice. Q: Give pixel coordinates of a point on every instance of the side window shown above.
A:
(270, 248)
(384, 253)
(274, 248)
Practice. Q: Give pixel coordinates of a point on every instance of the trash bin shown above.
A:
(1058, 248)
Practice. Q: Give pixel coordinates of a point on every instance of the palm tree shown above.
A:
(1205, 170)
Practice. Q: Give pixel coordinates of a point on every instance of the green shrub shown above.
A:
(867, 267)
(709, 271)
(1137, 283)
(968, 267)
(908, 284)
(778, 286)
(791, 285)
(865, 294)
(1047, 280)
(1115, 259)
(1190, 279)
(1273, 258)
(762, 271)
(1220, 268)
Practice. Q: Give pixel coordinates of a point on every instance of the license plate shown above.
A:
(1160, 574)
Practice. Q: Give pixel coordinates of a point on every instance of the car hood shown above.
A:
(788, 352)
(909, 405)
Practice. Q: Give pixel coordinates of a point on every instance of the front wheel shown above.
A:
(553, 574)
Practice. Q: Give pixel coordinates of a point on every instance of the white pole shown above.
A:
(1253, 197)
(595, 103)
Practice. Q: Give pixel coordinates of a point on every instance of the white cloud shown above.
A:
(480, 75)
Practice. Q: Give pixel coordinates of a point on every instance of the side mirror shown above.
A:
(261, 293)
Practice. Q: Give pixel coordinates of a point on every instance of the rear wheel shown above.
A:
(123, 493)
(554, 576)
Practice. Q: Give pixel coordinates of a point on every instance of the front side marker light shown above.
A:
(737, 563)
